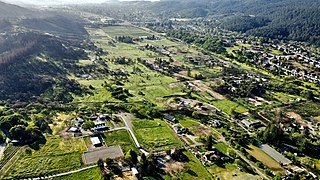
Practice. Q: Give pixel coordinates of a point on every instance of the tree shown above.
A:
(2, 137)
(134, 156)
(209, 142)
(100, 164)
(131, 157)
(88, 125)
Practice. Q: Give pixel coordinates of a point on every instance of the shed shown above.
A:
(95, 141)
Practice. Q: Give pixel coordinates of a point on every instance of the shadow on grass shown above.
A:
(36, 145)
(192, 173)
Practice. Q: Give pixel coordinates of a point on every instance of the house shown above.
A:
(170, 118)
(104, 117)
(95, 141)
(100, 127)
(248, 123)
(135, 172)
(216, 123)
(178, 129)
(74, 130)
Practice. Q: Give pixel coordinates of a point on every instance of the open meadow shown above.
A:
(155, 134)
(55, 156)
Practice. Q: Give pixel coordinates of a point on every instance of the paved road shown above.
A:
(2, 147)
(193, 139)
(126, 118)
(251, 164)
(63, 174)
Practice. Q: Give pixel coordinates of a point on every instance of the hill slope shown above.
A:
(8, 11)
(282, 19)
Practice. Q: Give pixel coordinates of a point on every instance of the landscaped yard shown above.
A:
(121, 137)
(55, 156)
(264, 158)
(153, 136)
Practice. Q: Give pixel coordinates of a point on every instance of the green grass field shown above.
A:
(114, 31)
(188, 122)
(222, 147)
(195, 169)
(89, 174)
(227, 172)
(155, 137)
(121, 137)
(227, 106)
(56, 156)
(264, 158)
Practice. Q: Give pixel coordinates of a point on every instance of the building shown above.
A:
(100, 127)
(74, 130)
(170, 118)
(216, 123)
(95, 141)
(248, 123)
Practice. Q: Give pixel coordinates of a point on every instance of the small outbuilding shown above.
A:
(95, 141)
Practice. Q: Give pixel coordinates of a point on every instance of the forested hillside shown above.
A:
(31, 63)
(282, 19)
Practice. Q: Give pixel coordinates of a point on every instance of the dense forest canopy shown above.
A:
(284, 19)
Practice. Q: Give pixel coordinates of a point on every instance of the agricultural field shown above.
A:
(120, 137)
(114, 31)
(55, 156)
(153, 136)
(264, 158)
(89, 174)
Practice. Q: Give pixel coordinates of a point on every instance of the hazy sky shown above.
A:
(43, 2)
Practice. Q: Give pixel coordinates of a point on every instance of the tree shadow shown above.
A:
(36, 145)
(192, 173)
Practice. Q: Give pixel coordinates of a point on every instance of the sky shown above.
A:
(50, 2)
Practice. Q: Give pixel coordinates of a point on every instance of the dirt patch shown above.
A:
(125, 176)
(296, 117)
(205, 88)
(174, 167)
(201, 130)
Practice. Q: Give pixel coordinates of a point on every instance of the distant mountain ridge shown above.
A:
(8, 11)
(282, 19)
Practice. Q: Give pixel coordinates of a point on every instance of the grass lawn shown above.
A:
(55, 156)
(155, 137)
(222, 147)
(195, 169)
(188, 122)
(122, 138)
(89, 174)
(264, 158)
(100, 93)
(227, 106)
